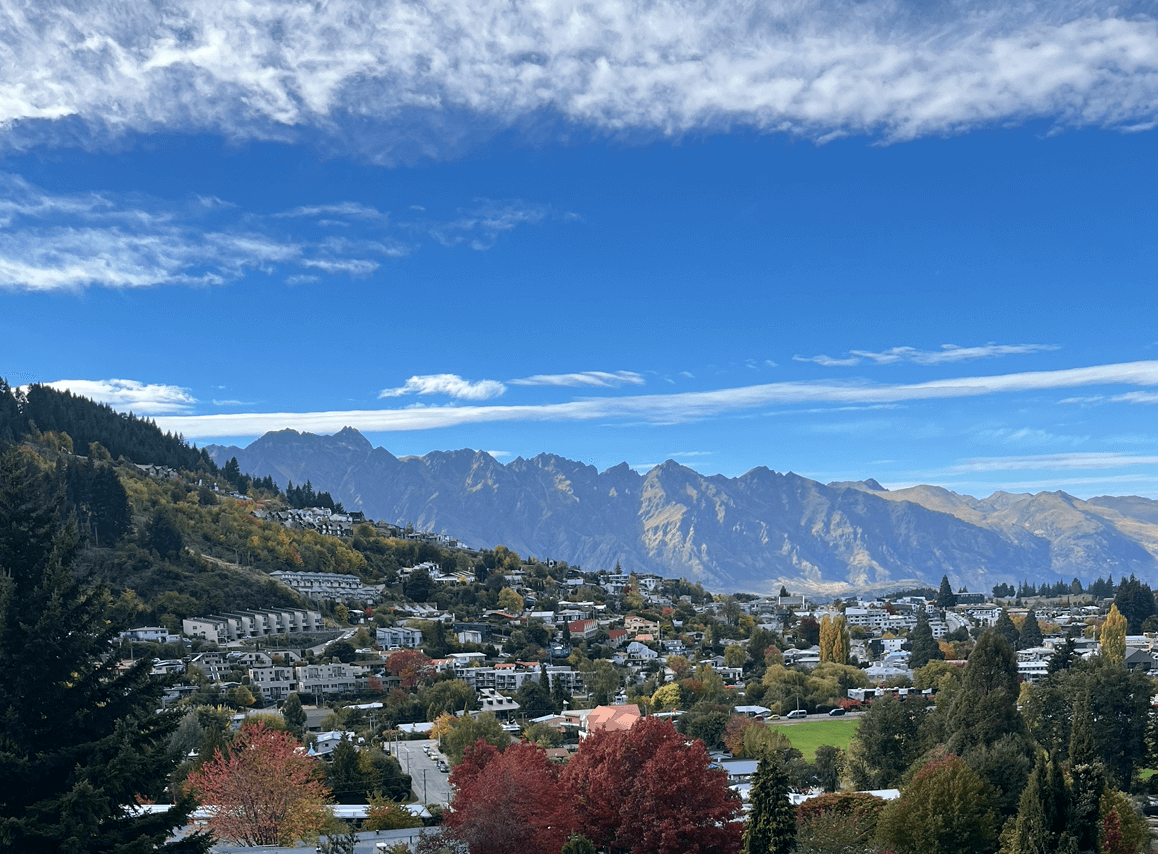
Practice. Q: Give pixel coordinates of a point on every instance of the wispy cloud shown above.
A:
(131, 395)
(1029, 437)
(948, 354)
(450, 385)
(397, 80)
(341, 209)
(55, 241)
(828, 361)
(1056, 462)
(594, 379)
(666, 408)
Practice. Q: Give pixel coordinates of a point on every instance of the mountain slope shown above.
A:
(753, 532)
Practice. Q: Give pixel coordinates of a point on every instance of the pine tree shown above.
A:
(946, 598)
(79, 742)
(1030, 635)
(1007, 630)
(923, 646)
(294, 714)
(1033, 828)
(771, 827)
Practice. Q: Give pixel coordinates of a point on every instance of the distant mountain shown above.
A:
(754, 532)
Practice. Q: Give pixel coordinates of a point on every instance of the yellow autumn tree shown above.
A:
(1113, 643)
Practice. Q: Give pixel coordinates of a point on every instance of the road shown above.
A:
(431, 786)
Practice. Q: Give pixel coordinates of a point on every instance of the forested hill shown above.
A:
(42, 409)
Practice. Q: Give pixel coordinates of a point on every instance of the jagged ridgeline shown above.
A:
(42, 409)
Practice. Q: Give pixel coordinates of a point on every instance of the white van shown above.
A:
(797, 713)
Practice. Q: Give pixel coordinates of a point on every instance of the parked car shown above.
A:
(797, 713)
(443, 767)
(836, 713)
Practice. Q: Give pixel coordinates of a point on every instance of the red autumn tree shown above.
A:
(646, 790)
(267, 792)
(511, 801)
(410, 665)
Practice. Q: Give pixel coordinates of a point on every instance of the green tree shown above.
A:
(886, 744)
(1030, 635)
(946, 598)
(829, 765)
(1007, 630)
(984, 725)
(79, 741)
(578, 844)
(343, 774)
(771, 826)
(469, 729)
(294, 714)
(946, 809)
(1113, 642)
(1033, 831)
(924, 647)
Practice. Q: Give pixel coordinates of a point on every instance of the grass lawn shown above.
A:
(809, 735)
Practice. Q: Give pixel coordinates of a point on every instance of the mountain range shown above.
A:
(752, 533)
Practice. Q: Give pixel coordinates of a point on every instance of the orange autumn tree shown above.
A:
(267, 792)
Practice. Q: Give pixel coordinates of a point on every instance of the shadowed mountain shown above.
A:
(752, 532)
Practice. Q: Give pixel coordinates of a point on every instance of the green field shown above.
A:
(808, 736)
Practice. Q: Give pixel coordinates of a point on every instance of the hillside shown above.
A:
(753, 532)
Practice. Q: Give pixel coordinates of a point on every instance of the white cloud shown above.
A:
(949, 353)
(451, 385)
(131, 395)
(1056, 462)
(828, 361)
(399, 79)
(356, 210)
(1029, 437)
(55, 241)
(659, 408)
(595, 379)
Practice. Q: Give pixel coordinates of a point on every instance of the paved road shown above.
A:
(430, 785)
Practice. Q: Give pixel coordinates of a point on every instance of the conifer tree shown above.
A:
(771, 827)
(1030, 635)
(946, 598)
(294, 714)
(79, 741)
(1007, 630)
(1033, 828)
(924, 647)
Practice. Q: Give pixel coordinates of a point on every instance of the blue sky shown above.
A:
(847, 240)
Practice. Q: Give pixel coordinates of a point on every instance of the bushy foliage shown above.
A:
(267, 792)
(946, 809)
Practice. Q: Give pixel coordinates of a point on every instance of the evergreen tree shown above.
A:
(923, 646)
(294, 714)
(1030, 635)
(1007, 630)
(344, 776)
(946, 598)
(1063, 656)
(771, 827)
(79, 742)
(1033, 827)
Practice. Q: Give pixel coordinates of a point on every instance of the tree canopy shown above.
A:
(80, 741)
